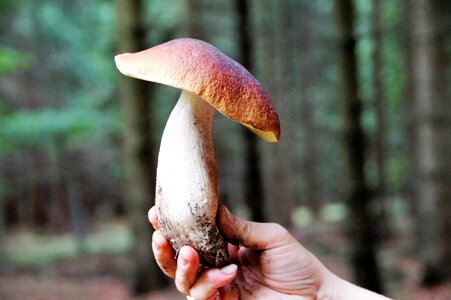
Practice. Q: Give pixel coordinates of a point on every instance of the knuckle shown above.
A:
(203, 294)
(246, 228)
(279, 229)
(181, 282)
(204, 288)
(184, 291)
(281, 232)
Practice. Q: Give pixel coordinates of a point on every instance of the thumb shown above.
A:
(260, 236)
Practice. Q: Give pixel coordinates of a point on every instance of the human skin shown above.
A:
(268, 264)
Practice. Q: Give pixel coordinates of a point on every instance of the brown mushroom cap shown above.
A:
(202, 69)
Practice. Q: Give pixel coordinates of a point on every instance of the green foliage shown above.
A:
(9, 6)
(27, 128)
(334, 212)
(76, 66)
(11, 59)
(393, 85)
(302, 216)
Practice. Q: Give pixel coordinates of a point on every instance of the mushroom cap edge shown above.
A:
(200, 68)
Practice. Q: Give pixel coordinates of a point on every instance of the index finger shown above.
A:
(261, 236)
(152, 215)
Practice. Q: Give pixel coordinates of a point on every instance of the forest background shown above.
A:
(361, 175)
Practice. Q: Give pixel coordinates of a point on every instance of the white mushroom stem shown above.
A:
(186, 191)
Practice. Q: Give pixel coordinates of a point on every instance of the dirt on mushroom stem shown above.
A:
(186, 192)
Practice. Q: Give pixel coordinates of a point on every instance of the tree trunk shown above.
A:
(253, 193)
(138, 149)
(192, 21)
(3, 260)
(442, 136)
(380, 189)
(308, 68)
(57, 208)
(430, 63)
(360, 221)
(378, 104)
(276, 67)
(72, 190)
(311, 157)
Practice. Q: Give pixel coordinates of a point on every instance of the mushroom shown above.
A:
(186, 188)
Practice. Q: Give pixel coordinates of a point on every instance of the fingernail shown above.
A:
(229, 270)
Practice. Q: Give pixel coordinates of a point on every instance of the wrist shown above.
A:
(335, 288)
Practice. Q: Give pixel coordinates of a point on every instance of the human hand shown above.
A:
(272, 264)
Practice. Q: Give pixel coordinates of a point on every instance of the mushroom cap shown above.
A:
(202, 69)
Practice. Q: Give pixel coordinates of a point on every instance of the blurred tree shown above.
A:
(59, 102)
(360, 220)
(191, 21)
(379, 107)
(430, 65)
(378, 96)
(265, 66)
(274, 66)
(309, 70)
(10, 59)
(73, 190)
(408, 105)
(3, 260)
(253, 193)
(138, 149)
(284, 178)
(55, 133)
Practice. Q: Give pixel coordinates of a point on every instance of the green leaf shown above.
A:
(11, 59)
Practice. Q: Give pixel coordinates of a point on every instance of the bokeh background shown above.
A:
(361, 176)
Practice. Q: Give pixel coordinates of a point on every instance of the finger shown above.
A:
(164, 254)
(187, 269)
(207, 285)
(152, 215)
(261, 236)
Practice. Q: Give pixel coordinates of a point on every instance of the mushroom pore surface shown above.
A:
(186, 189)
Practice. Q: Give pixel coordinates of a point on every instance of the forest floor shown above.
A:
(103, 276)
